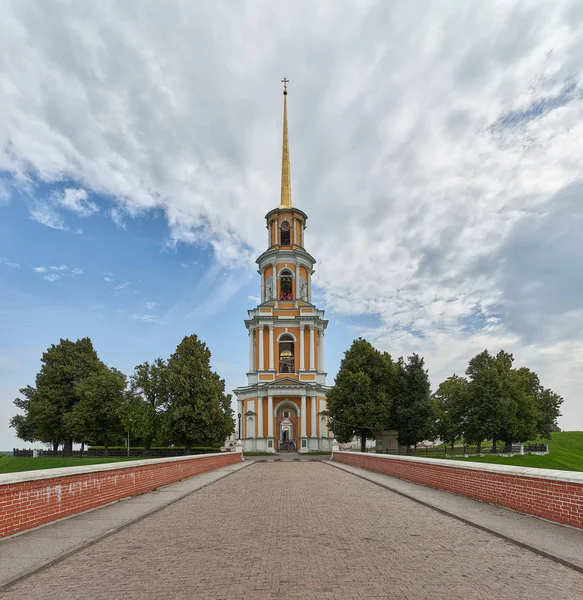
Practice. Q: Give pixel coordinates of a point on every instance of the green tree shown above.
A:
(199, 411)
(45, 406)
(500, 402)
(451, 400)
(549, 410)
(96, 418)
(142, 414)
(360, 401)
(414, 409)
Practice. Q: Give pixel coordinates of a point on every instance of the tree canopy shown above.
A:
(199, 411)
(360, 402)
(414, 409)
(64, 366)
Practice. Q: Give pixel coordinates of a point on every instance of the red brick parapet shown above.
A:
(546, 493)
(33, 498)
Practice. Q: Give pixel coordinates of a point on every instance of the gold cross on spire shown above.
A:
(285, 81)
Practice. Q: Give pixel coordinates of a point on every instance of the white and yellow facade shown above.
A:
(283, 405)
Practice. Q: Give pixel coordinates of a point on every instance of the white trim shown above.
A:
(285, 267)
(12, 478)
(555, 475)
(286, 333)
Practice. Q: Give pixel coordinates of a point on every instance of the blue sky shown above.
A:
(134, 294)
(435, 148)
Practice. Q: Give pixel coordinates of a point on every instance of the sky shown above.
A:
(436, 148)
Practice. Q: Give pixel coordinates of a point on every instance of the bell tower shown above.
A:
(282, 407)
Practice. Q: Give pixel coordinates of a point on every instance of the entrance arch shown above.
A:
(287, 426)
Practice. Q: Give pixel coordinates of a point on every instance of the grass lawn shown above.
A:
(13, 464)
(565, 453)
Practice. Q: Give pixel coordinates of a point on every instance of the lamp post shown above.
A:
(239, 417)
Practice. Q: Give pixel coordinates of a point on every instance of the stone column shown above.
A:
(269, 235)
(271, 367)
(294, 223)
(261, 361)
(302, 353)
(297, 281)
(251, 361)
(312, 356)
(321, 355)
(276, 225)
(274, 277)
(262, 287)
(309, 285)
(313, 401)
(304, 416)
(270, 416)
(260, 417)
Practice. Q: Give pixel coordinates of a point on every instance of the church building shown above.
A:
(282, 407)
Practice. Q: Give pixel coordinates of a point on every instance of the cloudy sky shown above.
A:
(436, 147)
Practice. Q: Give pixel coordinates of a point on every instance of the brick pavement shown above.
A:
(295, 530)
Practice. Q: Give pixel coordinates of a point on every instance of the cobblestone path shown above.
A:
(296, 531)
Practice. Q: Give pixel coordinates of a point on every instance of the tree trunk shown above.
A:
(362, 441)
(479, 448)
(188, 448)
(55, 446)
(494, 445)
(105, 447)
(147, 447)
(82, 448)
(68, 446)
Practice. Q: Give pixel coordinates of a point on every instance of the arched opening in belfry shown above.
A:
(285, 234)
(286, 354)
(286, 286)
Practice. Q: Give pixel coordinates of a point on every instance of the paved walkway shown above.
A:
(291, 530)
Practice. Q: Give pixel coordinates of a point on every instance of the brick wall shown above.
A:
(553, 495)
(33, 498)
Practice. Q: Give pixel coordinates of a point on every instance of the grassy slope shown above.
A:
(12, 464)
(565, 453)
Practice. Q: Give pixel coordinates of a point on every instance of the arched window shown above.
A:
(286, 286)
(285, 234)
(286, 354)
(250, 433)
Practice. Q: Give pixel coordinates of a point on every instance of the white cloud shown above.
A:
(76, 200)
(45, 214)
(120, 289)
(8, 263)
(117, 217)
(148, 318)
(149, 304)
(255, 299)
(434, 134)
(56, 272)
(108, 279)
(4, 194)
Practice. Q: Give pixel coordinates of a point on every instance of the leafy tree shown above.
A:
(199, 412)
(360, 401)
(96, 418)
(150, 391)
(414, 410)
(500, 402)
(451, 397)
(45, 406)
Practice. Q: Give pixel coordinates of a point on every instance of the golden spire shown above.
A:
(285, 173)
